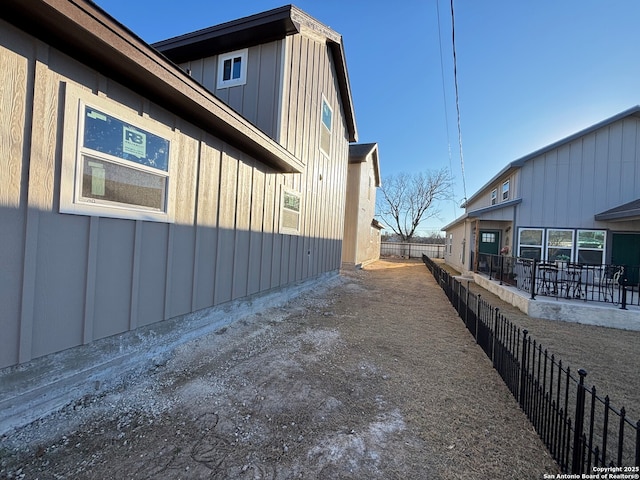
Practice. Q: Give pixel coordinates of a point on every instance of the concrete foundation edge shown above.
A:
(576, 311)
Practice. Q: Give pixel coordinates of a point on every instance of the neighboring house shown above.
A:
(361, 243)
(576, 200)
(135, 191)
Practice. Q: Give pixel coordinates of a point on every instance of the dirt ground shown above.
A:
(371, 377)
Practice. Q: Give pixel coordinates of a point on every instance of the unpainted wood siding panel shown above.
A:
(226, 225)
(461, 234)
(269, 228)
(352, 205)
(17, 60)
(182, 247)
(257, 235)
(207, 221)
(368, 240)
(242, 225)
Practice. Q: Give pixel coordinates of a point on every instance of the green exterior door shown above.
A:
(625, 250)
(489, 242)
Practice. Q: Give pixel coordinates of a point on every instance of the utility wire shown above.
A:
(455, 78)
(444, 101)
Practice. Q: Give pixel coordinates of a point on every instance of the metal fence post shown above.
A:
(623, 292)
(523, 368)
(490, 266)
(533, 279)
(493, 336)
(478, 307)
(576, 463)
(466, 305)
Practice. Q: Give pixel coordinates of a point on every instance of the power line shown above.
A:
(455, 79)
(444, 101)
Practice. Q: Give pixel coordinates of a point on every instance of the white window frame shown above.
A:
(494, 196)
(73, 152)
(578, 248)
(531, 245)
(323, 127)
(232, 82)
(547, 246)
(283, 228)
(506, 191)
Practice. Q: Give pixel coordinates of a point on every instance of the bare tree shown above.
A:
(409, 199)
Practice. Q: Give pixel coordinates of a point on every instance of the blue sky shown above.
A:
(530, 72)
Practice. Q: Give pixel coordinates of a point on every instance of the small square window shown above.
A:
(232, 69)
(488, 238)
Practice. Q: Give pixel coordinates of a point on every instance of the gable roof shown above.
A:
(85, 32)
(516, 164)
(358, 153)
(261, 28)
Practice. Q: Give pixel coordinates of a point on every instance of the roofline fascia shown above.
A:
(499, 206)
(458, 220)
(373, 151)
(284, 21)
(631, 214)
(84, 31)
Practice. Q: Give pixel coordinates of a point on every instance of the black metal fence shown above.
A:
(616, 284)
(581, 429)
(412, 250)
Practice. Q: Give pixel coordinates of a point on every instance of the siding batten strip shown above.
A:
(90, 289)
(135, 276)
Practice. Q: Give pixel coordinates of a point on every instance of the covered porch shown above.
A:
(590, 294)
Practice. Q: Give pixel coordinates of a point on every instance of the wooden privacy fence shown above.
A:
(581, 429)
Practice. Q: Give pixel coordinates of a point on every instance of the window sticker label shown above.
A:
(106, 134)
(134, 142)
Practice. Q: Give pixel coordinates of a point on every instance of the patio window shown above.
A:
(530, 243)
(559, 245)
(505, 190)
(591, 245)
(494, 196)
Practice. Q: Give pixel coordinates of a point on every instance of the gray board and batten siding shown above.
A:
(570, 184)
(70, 279)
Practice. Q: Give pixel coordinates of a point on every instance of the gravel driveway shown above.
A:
(372, 377)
